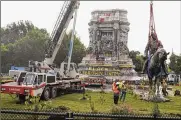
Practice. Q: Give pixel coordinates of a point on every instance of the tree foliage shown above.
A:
(173, 60)
(175, 63)
(22, 41)
(14, 31)
(178, 65)
(78, 52)
(137, 59)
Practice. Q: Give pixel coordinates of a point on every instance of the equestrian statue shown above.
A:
(155, 65)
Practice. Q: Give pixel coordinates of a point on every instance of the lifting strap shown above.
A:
(152, 28)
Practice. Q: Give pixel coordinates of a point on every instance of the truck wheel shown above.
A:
(22, 99)
(46, 93)
(54, 92)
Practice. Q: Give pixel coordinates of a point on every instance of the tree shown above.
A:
(23, 42)
(14, 31)
(177, 68)
(31, 47)
(78, 52)
(137, 59)
(173, 61)
(4, 51)
(139, 63)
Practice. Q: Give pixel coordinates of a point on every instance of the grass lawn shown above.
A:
(75, 104)
(176, 88)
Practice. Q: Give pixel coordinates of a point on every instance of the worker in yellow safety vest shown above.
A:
(123, 91)
(120, 86)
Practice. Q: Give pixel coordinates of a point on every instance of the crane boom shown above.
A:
(71, 42)
(60, 28)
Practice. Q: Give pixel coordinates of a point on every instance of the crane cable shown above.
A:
(152, 28)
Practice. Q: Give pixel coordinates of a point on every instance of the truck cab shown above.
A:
(32, 79)
(34, 84)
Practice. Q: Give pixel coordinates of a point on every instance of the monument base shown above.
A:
(155, 98)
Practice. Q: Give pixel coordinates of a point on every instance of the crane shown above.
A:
(66, 69)
(44, 79)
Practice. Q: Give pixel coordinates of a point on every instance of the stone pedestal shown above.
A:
(157, 97)
(108, 51)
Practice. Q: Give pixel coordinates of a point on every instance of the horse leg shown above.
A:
(163, 89)
(158, 86)
(150, 85)
(154, 86)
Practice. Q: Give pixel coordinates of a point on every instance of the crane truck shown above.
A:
(44, 78)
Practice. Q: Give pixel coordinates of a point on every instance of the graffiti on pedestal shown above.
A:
(109, 37)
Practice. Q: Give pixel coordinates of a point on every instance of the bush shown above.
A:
(92, 105)
(102, 97)
(122, 109)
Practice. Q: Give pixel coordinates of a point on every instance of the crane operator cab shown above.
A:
(72, 73)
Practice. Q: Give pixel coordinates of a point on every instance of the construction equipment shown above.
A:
(64, 71)
(45, 79)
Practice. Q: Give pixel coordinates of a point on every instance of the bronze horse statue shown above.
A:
(155, 68)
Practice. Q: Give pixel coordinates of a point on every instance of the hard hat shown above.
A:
(117, 83)
(123, 82)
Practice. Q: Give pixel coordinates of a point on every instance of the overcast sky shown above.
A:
(43, 14)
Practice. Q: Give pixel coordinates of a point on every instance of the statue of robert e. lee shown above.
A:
(152, 46)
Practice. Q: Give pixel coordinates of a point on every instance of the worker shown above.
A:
(115, 88)
(114, 83)
(120, 86)
(123, 91)
(15, 78)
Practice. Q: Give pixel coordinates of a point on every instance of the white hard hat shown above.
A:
(117, 83)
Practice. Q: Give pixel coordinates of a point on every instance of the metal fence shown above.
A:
(12, 114)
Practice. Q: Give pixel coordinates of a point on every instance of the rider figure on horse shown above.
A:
(152, 46)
